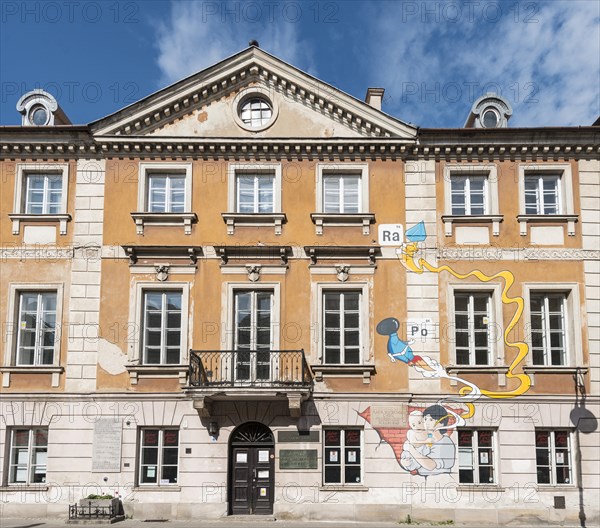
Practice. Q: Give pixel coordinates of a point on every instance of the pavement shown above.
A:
(228, 522)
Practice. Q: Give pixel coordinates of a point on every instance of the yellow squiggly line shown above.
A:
(407, 258)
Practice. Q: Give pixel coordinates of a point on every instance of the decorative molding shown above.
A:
(495, 253)
(472, 219)
(265, 269)
(343, 371)
(234, 220)
(19, 218)
(37, 252)
(55, 371)
(164, 219)
(253, 271)
(162, 272)
(260, 252)
(342, 272)
(343, 220)
(163, 252)
(548, 219)
(158, 371)
(317, 253)
(355, 269)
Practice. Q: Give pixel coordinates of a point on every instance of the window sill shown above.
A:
(170, 488)
(472, 219)
(478, 369)
(56, 371)
(556, 487)
(275, 220)
(532, 370)
(343, 371)
(343, 220)
(158, 371)
(24, 487)
(343, 488)
(164, 219)
(483, 488)
(560, 218)
(17, 218)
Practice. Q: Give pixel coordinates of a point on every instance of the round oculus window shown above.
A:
(255, 112)
(38, 115)
(490, 119)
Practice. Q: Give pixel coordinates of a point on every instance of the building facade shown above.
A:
(251, 293)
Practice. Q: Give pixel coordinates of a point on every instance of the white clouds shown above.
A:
(544, 58)
(199, 34)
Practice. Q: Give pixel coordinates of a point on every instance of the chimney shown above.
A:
(374, 97)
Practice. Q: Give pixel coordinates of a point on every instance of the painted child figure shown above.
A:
(417, 437)
(398, 349)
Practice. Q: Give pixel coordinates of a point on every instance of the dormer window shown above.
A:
(490, 119)
(38, 115)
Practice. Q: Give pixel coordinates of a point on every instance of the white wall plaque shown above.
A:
(391, 234)
(106, 450)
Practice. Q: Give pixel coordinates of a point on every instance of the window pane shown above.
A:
(352, 474)
(333, 474)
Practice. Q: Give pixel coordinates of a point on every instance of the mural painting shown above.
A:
(425, 446)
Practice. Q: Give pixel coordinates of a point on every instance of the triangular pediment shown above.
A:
(206, 104)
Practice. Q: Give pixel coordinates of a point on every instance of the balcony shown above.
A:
(266, 375)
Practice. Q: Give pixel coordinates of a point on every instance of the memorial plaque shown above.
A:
(107, 446)
(298, 436)
(388, 416)
(298, 459)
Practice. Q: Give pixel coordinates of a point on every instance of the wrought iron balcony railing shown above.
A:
(249, 368)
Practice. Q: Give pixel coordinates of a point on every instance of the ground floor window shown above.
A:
(476, 456)
(342, 456)
(28, 455)
(553, 458)
(159, 456)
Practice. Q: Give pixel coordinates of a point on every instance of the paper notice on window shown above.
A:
(263, 473)
(483, 457)
(263, 492)
(163, 482)
(333, 456)
(242, 458)
(560, 458)
(263, 455)
(351, 456)
(151, 472)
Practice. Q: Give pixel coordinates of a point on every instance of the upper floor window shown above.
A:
(553, 457)
(255, 192)
(341, 193)
(43, 194)
(469, 195)
(253, 338)
(162, 327)
(166, 193)
(472, 318)
(28, 455)
(543, 194)
(36, 333)
(548, 313)
(476, 456)
(341, 327)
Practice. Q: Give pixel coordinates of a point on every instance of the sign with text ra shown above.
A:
(391, 234)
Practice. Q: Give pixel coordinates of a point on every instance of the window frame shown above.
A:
(228, 311)
(254, 92)
(146, 169)
(163, 327)
(492, 208)
(573, 321)
(495, 340)
(343, 169)
(493, 463)
(342, 328)
(342, 456)
(13, 317)
(467, 193)
(552, 458)
(236, 169)
(135, 365)
(159, 466)
(540, 205)
(26, 169)
(566, 196)
(318, 321)
(10, 431)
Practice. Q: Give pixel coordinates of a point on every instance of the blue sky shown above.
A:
(434, 58)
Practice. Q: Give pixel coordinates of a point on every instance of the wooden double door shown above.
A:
(252, 471)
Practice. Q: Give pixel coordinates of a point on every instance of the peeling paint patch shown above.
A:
(111, 358)
(202, 116)
(328, 132)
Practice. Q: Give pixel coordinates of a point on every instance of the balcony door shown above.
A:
(253, 338)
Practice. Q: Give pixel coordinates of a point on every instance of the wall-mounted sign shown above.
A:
(391, 234)
(421, 329)
(298, 459)
(298, 436)
(106, 446)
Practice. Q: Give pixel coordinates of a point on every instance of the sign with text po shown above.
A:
(391, 234)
